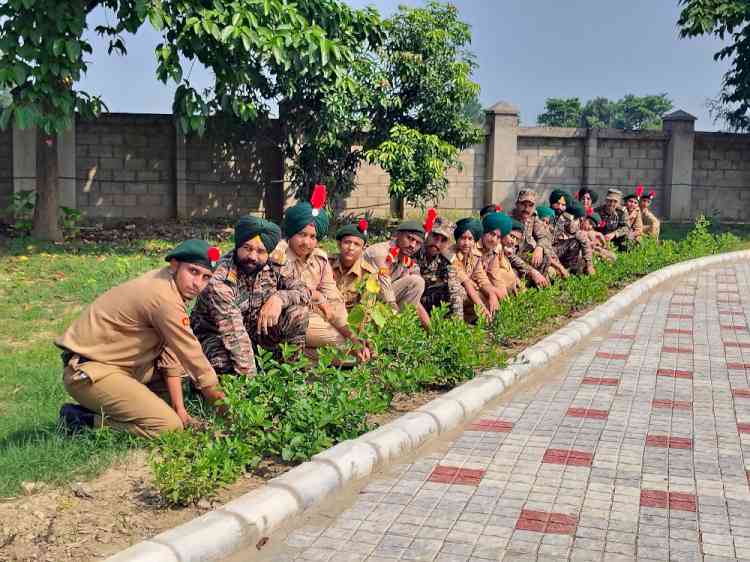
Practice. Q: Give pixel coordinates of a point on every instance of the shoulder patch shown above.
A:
(278, 256)
(232, 276)
(185, 321)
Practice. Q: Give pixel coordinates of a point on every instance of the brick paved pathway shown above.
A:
(637, 447)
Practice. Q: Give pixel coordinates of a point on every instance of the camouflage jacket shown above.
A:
(535, 233)
(440, 273)
(616, 222)
(230, 304)
(563, 226)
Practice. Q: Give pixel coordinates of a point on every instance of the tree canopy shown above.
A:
(729, 20)
(629, 113)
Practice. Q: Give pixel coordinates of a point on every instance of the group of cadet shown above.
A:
(125, 356)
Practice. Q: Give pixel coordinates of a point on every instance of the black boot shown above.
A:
(76, 418)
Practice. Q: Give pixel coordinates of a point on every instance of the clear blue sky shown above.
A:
(527, 50)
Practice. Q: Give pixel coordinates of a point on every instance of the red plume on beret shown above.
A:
(318, 199)
(639, 190)
(498, 208)
(392, 254)
(602, 224)
(651, 193)
(430, 220)
(589, 211)
(578, 195)
(213, 253)
(362, 226)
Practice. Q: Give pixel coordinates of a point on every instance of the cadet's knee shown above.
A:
(153, 427)
(295, 320)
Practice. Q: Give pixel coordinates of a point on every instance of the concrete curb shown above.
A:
(243, 522)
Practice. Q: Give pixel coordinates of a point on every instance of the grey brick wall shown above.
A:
(125, 166)
(721, 176)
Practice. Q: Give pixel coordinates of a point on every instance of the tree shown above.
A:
(406, 97)
(729, 20)
(561, 112)
(631, 113)
(258, 51)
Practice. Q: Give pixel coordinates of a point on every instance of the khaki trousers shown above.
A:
(123, 403)
(408, 290)
(321, 332)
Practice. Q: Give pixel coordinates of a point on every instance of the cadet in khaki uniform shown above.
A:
(496, 226)
(471, 273)
(437, 267)
(651, 224)
(302, 228)
(251, 300)
(398, 271)
(127, 352)
(599, 245)
(635, 222)
(350, 269)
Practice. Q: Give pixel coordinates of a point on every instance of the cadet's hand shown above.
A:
(363, 353)
(214, 395)
(269, 314)
(590, 270)
(539, 279)
(185, 418)
(537, 256)
(609, 237)
(492, 304)
(326, 310)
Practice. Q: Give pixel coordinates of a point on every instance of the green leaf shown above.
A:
(377, 316)
(20, 73)
(226, 32)
(73, 48)
(24, 116)
(156, 20)
(5, 117)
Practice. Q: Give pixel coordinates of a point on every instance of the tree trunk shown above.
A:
(398, 208)
(46, 223)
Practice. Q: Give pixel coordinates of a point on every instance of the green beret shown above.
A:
(300, 215)
(577, 210)
(491, 208)
(631, 196)
(195, 251)
(351, 230)
(468, 224)
(593, 194)
(596, 218)
(496, 221)
(516, 225)
(545, 212)
(411, 226)
(558, 194)
(249, 227)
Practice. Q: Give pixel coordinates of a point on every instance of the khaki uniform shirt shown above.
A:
(636, 224)
(348, 281)
(316, 273)
(141, 325)
(389, 269)
(491, 264)
(651, 225)
(469, 268)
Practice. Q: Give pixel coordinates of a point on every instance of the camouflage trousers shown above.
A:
(569, 252)
(438, 294)
(291, 329)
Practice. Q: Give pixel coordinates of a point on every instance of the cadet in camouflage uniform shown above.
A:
(535, 240)
(436, 264)
(571, 246)
(616, 227)
(250, 300)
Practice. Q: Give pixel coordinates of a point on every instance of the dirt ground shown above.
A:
(91, 520)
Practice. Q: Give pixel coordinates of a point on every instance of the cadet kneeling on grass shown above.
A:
(125, 355)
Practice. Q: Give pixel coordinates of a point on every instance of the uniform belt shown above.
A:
(67, 355)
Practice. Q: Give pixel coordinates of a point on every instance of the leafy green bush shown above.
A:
(295, 408)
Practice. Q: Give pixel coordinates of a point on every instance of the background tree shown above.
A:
(631, 113)
(729, 20)
(260, 53)
(406, 97)
(561, 112)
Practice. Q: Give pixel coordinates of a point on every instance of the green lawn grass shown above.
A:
(43, 288)
(679, 230)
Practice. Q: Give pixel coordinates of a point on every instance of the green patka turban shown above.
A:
(558, 194)
(516, 225)
(596, 218)
(496, 221)
(545, 212)
(472, 225)
(631, 196)
(351, 230)
(576, 210)
(195, 251)
(249, 227)
(298, 217)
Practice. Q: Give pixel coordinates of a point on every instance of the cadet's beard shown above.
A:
(247, 267)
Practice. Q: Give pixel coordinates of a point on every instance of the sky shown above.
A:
(527, 51)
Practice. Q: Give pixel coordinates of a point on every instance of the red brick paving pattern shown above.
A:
(568, 457)
(454, 475)
(672, 404)
(669, 442)
(494, 426)
(546, 522)
(601, 381)
(674, 500)
(587, 413)
(676, 373)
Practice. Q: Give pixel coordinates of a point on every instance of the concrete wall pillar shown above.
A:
(180, 174)
(678, 168)
(590, 159)
(24, 164)
(502, 148)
